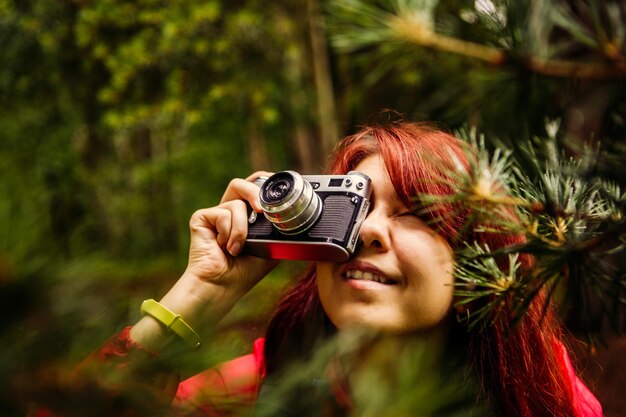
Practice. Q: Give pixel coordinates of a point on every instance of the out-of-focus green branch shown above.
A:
(414, 32)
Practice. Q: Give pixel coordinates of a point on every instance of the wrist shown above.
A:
(172, 321)
(149, 332)
(202, 304)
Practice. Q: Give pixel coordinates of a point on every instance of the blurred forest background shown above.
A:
(119, 119)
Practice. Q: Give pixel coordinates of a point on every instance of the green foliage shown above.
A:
(119, 120)
(387, 378)
(572, 221)
(502, 66)
(142, 97)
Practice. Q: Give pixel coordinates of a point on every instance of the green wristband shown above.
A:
(174, 322)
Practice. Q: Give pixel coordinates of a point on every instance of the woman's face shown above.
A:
(401, 277)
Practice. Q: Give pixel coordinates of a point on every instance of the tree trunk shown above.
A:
(326, 108)
(257, 151)
(308, 152)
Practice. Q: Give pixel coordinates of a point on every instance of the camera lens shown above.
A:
(278, 190)
(289, 202)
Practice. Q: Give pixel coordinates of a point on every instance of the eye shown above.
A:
(410, 215)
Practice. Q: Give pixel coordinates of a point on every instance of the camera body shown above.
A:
(308, 217)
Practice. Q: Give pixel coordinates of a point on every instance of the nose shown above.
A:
(375, 231)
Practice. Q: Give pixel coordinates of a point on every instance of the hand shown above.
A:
(217, 276)
(218, 235)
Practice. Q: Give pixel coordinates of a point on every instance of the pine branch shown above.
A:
(358, 24)
(573, 224)
(572, 69)
(413, 32)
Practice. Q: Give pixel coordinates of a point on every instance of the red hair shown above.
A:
(518, 368)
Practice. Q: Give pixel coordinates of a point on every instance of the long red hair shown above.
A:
(518, 368)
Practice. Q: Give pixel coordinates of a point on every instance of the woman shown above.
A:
(397, 286)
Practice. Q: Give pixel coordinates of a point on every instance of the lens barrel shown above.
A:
(289, 202)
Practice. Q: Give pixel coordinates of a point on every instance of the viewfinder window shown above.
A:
(335, 182)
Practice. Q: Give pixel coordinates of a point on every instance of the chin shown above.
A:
(391, 327)
(358, 323)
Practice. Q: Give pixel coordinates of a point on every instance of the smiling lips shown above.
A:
(357, 274)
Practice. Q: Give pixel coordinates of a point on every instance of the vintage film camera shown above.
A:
(308, 217)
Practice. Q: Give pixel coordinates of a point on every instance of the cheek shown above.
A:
(432, 265)
(429, 256)
(334, 300)
(430, 303)
(324, 272)
(442, 288)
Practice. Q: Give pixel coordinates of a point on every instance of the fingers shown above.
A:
(245, 189)
(228, 222)
(238, 227)
(258, 174)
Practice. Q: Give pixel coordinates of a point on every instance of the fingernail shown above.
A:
(235, 248)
